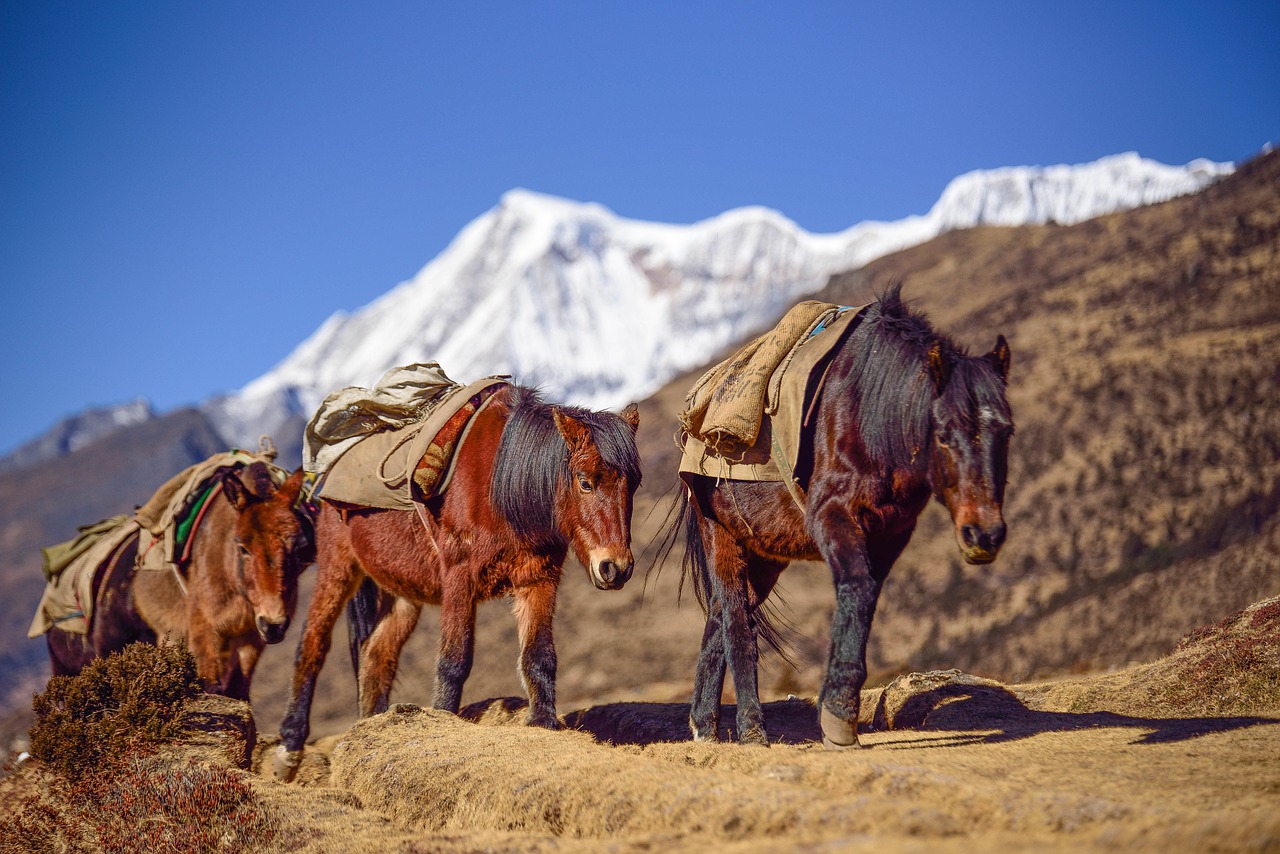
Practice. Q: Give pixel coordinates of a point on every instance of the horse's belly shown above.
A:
(422, 587)
(160, 602)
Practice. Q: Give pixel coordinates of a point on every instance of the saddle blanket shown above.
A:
(783, 387)
(67, 601)
(369, 447)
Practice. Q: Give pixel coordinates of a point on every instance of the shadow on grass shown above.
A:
(977, 714)
(1001, 716)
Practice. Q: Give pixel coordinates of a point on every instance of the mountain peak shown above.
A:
(532, 205)
(600, 310)
(1023, 195)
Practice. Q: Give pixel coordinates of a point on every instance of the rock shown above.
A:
(218, 730)
(945, 698)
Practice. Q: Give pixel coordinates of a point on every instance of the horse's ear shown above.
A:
(939, 366)
(291, 488)
(631, 415)
(234, 490)
(1001, 357)
(251, 483)
(576, 434)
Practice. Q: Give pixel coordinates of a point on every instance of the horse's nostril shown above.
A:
(608, 571)
(969, 534)
(272, 632)
(998, 533)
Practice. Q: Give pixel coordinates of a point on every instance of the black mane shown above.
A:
(533, 463)
(894, 389)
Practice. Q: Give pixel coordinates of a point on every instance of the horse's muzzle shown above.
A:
(981, 544)
(611, 574)
(272, 631)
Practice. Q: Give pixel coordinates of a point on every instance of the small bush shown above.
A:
(94, 785)
(116, 705)
(1231, 667)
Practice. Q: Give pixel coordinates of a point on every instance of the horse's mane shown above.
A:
(893, 386)
(533, 462)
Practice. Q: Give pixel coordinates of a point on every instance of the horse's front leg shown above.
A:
(243, 661)
(336, 581)
(843, 546)
(457, 647)
(708, 681)
(535, 608)
(214, 662)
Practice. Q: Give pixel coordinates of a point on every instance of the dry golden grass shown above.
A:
(953, 763)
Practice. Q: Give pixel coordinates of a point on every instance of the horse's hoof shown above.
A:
(838, 734)
(284, 763)
(707, 732)
(545, 721)
(754, 735)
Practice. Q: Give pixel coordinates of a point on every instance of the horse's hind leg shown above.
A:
(730, 584)
(708, 682)
(68, 652)
(380, 655)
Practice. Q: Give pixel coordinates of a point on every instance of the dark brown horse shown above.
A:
(238, 593)
(531, 482)
(903, 414)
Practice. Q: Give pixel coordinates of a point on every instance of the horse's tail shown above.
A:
(695, 568)
(363, 613)
(683, 518)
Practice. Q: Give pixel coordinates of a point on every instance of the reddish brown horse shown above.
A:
(531, 482)
(903, 414)
(239, 591)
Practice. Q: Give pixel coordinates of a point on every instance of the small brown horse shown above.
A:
(902, 414)
(239, 592)
(531, 482)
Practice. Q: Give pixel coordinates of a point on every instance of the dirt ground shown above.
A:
(950, 762)
(422, 780)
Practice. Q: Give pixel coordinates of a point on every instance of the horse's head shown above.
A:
(274, 544)
(594, 507)
(971, 426)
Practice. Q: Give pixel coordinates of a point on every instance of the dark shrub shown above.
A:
(115, 706)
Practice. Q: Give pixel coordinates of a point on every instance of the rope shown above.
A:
(430, 529)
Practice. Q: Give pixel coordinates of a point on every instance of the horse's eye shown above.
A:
(941, 439)
(583, 483)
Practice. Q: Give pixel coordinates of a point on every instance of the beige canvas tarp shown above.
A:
(67, 601)
(380, 468)
(770, 448)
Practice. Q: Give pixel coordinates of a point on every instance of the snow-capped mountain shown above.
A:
(76, 431)
(600, 310)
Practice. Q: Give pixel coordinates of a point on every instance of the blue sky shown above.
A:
(188, 189)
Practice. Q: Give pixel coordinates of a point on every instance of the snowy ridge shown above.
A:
(76, 431)
(600, 310)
